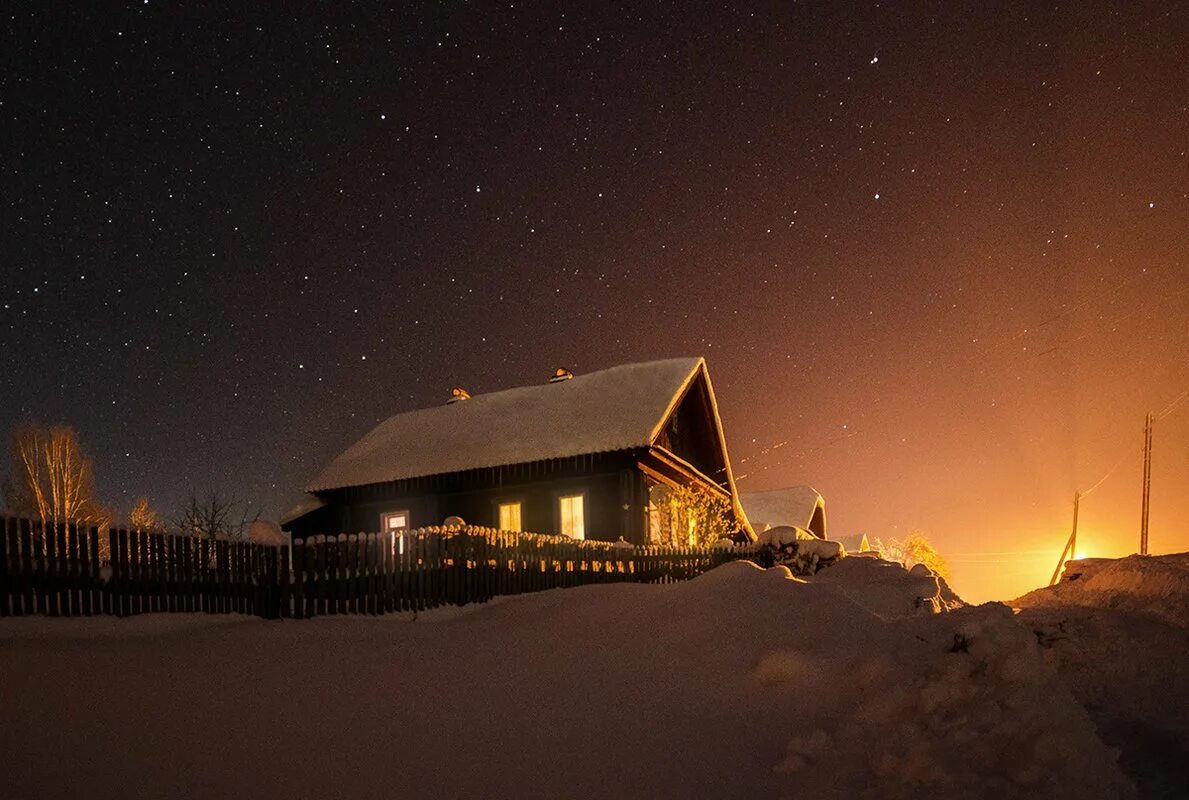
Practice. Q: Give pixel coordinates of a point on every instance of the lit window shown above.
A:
(395, 521)
(572, 513)
(510, 517)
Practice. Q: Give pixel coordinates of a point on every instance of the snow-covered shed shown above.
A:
(798, 506)
(577, 455)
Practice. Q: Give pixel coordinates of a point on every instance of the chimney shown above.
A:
(458, 393)
(561, 374)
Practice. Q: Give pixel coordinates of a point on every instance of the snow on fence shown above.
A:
(62, 570)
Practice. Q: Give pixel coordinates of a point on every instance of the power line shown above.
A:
(1168, 409)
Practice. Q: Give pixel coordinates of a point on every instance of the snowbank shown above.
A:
(883, 587)
(1117, 631)
(1157, 585)
(742, 683)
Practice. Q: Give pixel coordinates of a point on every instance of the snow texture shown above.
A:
(800, 550)
(1117, 632)
(742, 683)
(614, 409)
(784, 536)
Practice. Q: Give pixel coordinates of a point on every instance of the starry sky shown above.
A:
(936, 254)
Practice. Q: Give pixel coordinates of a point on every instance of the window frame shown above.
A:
(557, 517)
(508, 501)
(385, 515)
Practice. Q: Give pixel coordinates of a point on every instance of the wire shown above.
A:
(1168, 409)
(1111, 471)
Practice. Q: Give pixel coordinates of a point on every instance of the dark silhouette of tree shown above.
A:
(214, 516)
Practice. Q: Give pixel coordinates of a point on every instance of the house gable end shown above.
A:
(691, 432)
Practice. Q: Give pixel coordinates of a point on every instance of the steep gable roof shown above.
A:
(619, 408)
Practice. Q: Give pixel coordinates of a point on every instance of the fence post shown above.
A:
(5, 575)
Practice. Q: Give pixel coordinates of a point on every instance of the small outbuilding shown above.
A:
(795, 506)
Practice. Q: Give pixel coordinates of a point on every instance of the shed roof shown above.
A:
(793, 505)
(614, 409)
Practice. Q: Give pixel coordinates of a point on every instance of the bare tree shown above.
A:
(915, 548)
(214, 516)
(52, 479)
(143, 517)
(691, 515)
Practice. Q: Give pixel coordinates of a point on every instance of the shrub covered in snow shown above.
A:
(799, 550)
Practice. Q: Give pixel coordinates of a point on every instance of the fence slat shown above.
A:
(6, 572)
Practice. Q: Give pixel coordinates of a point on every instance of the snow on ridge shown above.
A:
(1116, 632)
(1156, 585)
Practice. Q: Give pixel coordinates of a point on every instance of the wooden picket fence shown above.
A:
(63, 570)
(69, 570)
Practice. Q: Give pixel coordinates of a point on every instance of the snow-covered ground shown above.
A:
(1118, 634)
(866, 682)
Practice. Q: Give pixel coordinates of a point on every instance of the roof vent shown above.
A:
(561, 374)
(458, 393)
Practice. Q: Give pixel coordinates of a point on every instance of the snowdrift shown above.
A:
(1117, 631)
(1157, 585)
(742, 683)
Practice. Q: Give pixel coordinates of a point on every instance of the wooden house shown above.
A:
(577, 455)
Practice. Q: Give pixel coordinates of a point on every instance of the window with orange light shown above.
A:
(572, 515)
(510, 517)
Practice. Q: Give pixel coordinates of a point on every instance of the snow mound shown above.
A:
(885, 589)
(741, 683)
(1157, 585)
(799, 549)
(983, 717)
(784, 535)
(1116, 631)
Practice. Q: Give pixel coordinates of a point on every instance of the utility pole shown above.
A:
(1072, 544)
(1147, 488)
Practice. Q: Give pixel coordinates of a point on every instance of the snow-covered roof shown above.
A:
(854, 543)
(302, 507)
(793, 505)
(614, 409)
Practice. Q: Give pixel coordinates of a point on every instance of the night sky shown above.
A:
(936, 254)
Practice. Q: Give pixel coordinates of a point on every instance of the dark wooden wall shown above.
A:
(615, 498)
(690, 434)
